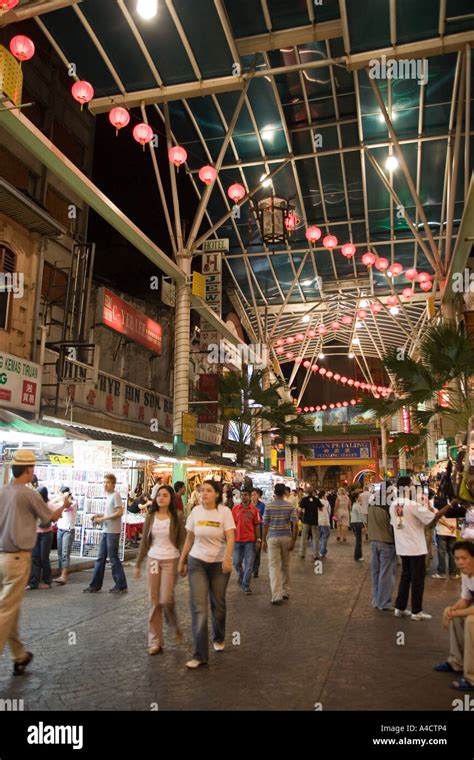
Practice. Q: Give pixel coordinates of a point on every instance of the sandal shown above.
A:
(19, 667)
(60, 581)
(444, 667)
(461, 685)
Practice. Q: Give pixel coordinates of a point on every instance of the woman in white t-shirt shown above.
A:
(162, 540)
(210, 544)
(324, 522)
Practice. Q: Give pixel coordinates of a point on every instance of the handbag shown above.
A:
(466, 487)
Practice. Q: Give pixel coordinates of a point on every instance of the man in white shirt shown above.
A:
(409, 518)
(364, 500)
(459, 620)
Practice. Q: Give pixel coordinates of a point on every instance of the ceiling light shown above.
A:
(355, 341)
(394, 310)
(147, 9)
(321, 356)
(307, 283)
(358, 325)
(265, 182)
(268, 133)
(364, 303)
(391, 163)
(350, 355)
(305, 318)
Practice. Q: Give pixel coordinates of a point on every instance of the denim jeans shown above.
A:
(383, 565)
(206, 580)
(109, 547)
(315, 539)
(40, 560)
(445, 547)
(357, 528)
(256, 562)
(244, 554)
(324, 531)
(65, 542)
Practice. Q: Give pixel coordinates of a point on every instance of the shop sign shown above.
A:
(92, 455)
(406, 420)
(342, 450)
(60, 459)
(20, 383)
(168, 292)
(117, 314)
(189, 423)
(209, 391)
(210, 434)
(123, 400)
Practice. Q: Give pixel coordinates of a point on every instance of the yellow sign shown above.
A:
(431, 307)
(11, 76)
(199, 285)
(189, 423)
(274, 458)
(59, 459)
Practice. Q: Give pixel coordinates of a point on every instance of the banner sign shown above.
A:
(342, 450)
(212, 271)
(210, 434)
(124, 319)
(189, 422)
(92, 455)
(20, 383)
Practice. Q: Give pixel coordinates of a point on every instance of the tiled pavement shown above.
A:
(325, 645)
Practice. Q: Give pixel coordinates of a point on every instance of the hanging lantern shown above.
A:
(311, 408)
(318, 408)
(361, 313)
(289, 354)
(177, 155)
(330, 242)
(407, 292)
(395, 269)
(335, 325)
(353, 402)
(343, 380)
(424, 277)
(7, 5)
(381, 264)
(290, 340)
(272, 219)
(331, 406)
(350, 381)
(337, 377)
(322, 329)
(280, 342)
(356, 384)
(392, 301)
(299, 336)
(322, 371)
(291, 221)
(306, 409)
(313, 234)
(311, 333)
(22, 47)
(347, 319)
(298, 359)
(142, 133)
(83, 92)
(348, 250)
(426, 285)
(236, 192)
(329, 374)
(411, 275)
(314, 368)
(299, 410)
(345, 403)
(375, 307)
(368, 259)
(280, 350)
(306, 364)
(119, 118)
(207, 174)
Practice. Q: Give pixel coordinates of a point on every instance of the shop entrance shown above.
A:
(333, 477)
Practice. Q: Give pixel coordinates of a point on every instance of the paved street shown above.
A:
(326, 645)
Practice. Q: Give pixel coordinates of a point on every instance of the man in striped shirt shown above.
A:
(280, 531)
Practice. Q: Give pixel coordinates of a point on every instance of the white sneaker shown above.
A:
(402, 613)
(194, 663)
(219, 646)
(440, 577)
(421, 616)
(361, 559)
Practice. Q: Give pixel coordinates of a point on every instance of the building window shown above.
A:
(7, 266)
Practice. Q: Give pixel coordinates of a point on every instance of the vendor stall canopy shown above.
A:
(322, 93)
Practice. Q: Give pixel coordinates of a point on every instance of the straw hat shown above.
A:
(24, 457)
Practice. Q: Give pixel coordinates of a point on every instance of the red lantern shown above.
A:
(322, 329)
(289, 354)
(313, 234)
(350, 381)
(236, 192)
(381, 264)
(324, 407)
(392, 301)
(83, 92)
(396, 269)
(343, 380)
(345, 403)
(312, 333)
(306, 409)
(426, 285)
(142, 133)
(299, 410)
(348, 250)
(307, 364)
(411, 275)
(314, 368)
(7, 5)
(353, 401)
(337, 377)
(362, 313)
(119, 118)
(375, 307)
(22, 47)
(280, 350)
(207, 174)
(290, 340)
(318, 408)
(311, 408)
(280, 342)
(356, 384)
(338, 404)
(177, 155)
(291, 221)
(322, 370)
(407, 292)
(335, 325)
(424, 277)
(368, 259)
(347, 320)
(329, 374)
(331, 406)
(330, 242)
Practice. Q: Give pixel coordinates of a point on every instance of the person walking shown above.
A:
(162, 541)
(310, 506)
(324, 521)
(109, 545)
(357, 525)
(256, 501)
(445, 540)
(20, 509)
(382, 548)
(341, 514)
(66, 535)
(40, 561)
(207, 558)
(247, 538)
(280, 531)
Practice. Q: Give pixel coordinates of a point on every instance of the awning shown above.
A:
(26, 212)
(15, 423)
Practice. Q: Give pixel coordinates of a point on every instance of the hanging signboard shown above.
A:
(20, 383)
(342, 450)
(168, 292)
(117, 314)
(210, 434)
(92, 455)
(212, 271)
(189, 428)
(209, 246)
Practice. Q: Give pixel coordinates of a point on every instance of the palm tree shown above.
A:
(436, 383)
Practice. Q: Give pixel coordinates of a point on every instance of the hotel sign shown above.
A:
(117, 314)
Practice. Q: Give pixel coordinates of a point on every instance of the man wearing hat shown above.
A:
(20, 509)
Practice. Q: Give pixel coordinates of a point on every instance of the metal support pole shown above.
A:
(181, 355)
(454, 174)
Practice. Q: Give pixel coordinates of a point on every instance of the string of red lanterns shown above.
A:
(323, 407)
(377, 390)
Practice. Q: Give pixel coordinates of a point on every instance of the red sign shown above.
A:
(28, 395)
(124, 319)
(209, 391)
(406, 420)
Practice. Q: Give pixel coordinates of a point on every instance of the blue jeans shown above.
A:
(383, 564)
(65, 542)
(445, 547)
(357, 528)
(206, 581)
(40, 560)
(109, 546)
(244, 552)
(324, 531)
